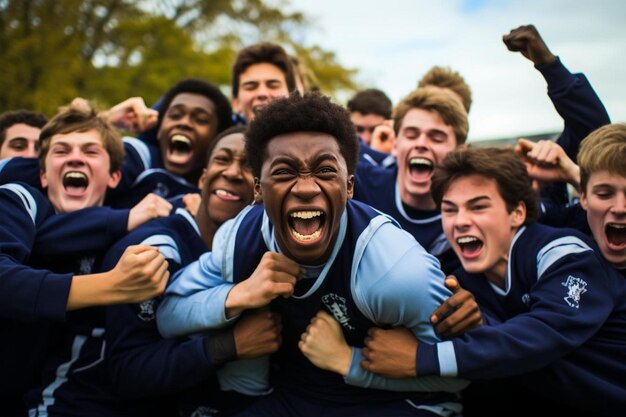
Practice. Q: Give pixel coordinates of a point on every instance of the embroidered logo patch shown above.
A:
(575, 288)
(146, 310)
(86, 265)
(337, 306)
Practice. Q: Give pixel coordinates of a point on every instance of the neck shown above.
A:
(206, 225)
(422, 202)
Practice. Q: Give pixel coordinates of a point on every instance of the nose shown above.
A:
(262, 92)
(184, 122)
(421, 141)
(234, 171)
(462, 219)
(76, 156)
(32, 150)
(619, 208)
(306, 188)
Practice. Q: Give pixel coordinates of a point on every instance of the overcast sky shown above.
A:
(394, 42)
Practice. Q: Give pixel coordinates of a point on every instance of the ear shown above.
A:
(258, 194)
(43, 179)
(350, 186)
(115, 178)
(235, 103)
(582, 197)
(202, 179)
(518, 215)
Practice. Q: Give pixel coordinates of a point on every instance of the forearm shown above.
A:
(202, 311)
(359, 377)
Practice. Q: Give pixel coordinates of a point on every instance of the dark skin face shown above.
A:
(227, 183)
(305, 186)
(188, 126)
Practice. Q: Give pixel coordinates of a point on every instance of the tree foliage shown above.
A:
(107, 50)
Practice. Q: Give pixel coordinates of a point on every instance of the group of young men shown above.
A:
(310, 275)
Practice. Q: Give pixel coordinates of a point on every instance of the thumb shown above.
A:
(137, 249)
(452, 284)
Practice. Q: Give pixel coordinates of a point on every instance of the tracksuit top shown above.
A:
(563, 309)
(361, 285)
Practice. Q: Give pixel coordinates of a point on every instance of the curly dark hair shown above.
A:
(312, 112)
(223, 110)
(499, 164)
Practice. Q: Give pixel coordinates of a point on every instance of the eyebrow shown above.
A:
(291, 160)
(193, 109)
(470, 201)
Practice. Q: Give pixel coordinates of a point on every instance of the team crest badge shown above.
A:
(161, 190)
(576, 287)
(337, 306)
(146, 310)
(86, 265)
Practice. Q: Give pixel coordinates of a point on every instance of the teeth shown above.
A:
(306, 214)
(617, 225)
(304, 238)
(466, 239)
(75, 175)
(180, 138)
(420, 161)
(225, 193)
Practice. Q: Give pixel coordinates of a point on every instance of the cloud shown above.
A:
(393, 43)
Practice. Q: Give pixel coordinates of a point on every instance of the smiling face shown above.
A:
(422, 142)
(305, 186)
(258, 85)
(604, 199)
(227, 184)
(20, 140)
(188, 126)
(77, 171)
(478, 225)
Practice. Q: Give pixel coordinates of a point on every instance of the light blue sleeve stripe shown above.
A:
(142, 150)
(167, 246)
(26, 197)
(558, 249)
(447, 359)
(4, 162)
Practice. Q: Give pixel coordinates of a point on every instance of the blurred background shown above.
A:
(109, 50)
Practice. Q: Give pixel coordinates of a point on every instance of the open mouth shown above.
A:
(421, 167)
(470, 246)
(179, 150)
(75, 181)
(306, 226)
(226, 195)
(616, 234)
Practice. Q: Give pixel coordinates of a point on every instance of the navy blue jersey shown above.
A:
(28, 293)
(18, 169)
(369, 155)
(293, 371)
(582, 111)
(378, 187)
(563, 309)
(147, 370)
(576, 102)
(142, 174)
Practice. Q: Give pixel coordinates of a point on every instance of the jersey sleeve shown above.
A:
(567, 306)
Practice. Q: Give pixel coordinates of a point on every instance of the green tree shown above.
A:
(107, 50)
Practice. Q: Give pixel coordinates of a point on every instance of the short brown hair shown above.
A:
(445, 77)
(82, 119)
(264, 52)
(434, 99)
(604, 149)
(499, 164)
